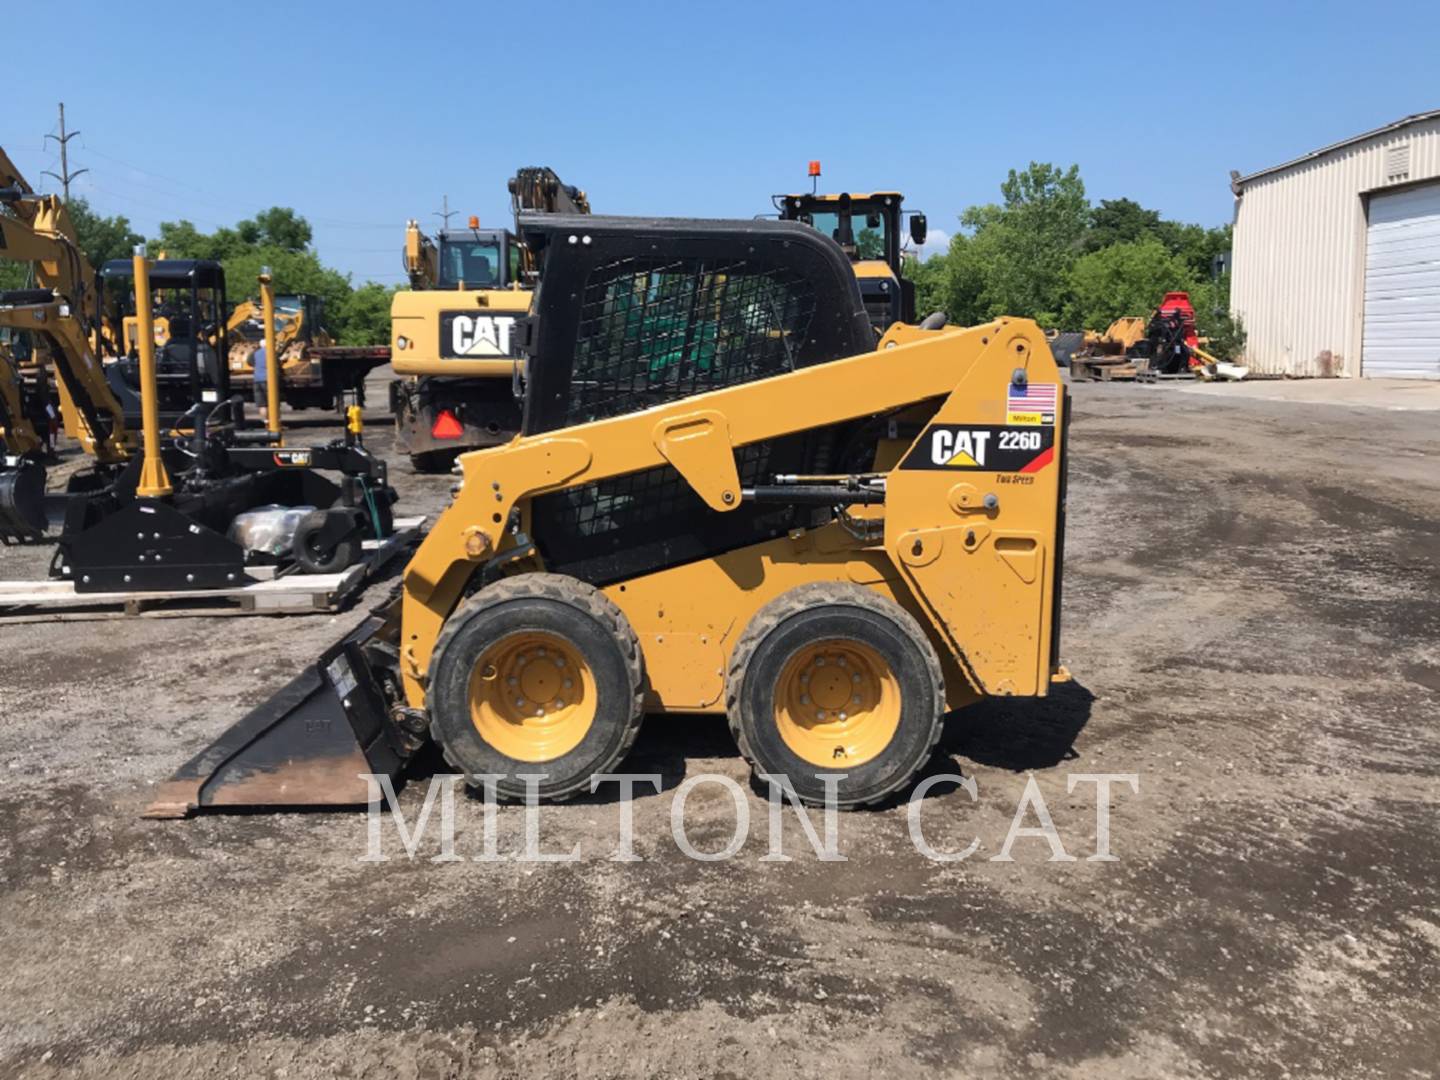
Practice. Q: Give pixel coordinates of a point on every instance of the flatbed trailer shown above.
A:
(325, 376)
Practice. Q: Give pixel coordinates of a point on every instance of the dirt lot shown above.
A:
(1253, 623)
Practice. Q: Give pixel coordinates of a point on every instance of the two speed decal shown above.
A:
(983, 448)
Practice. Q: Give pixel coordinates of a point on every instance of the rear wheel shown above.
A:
(836, 681)
(539, 673)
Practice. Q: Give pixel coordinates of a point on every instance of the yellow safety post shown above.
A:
(272, 362)
(154, 477)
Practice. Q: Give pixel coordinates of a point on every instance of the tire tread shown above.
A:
(576, 594)
(819, 594)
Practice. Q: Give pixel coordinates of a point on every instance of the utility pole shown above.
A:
(65, 175)
(445, 213)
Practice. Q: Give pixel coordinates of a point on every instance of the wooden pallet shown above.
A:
(274, 594)
(1104, 368)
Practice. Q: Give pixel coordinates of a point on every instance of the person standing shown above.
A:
(262, 400)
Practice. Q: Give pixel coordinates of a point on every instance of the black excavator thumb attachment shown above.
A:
(22, 500)
(314, 742)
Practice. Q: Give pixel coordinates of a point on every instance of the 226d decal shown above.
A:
(983, 448)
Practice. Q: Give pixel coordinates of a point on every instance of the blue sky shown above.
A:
(363, 114)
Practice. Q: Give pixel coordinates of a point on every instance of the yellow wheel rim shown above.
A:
(532, 696)
(837, 704)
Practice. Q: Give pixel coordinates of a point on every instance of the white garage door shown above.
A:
(1402, 285)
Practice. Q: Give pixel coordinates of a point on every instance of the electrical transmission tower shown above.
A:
(64, 175)
(445, 213)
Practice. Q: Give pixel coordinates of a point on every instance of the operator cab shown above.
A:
(867, 227)
(478, 259)
(188, 299)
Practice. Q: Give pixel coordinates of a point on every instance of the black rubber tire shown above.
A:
(316, 558)
(386, 511)
(847, 612)
(433, 462)
(559, 605)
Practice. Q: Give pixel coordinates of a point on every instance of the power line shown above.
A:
(65, 175)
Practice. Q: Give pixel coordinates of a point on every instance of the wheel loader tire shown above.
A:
(835, 680)
(538, 673)
(316, 554)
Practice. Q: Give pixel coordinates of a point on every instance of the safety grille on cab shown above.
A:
(653, 331)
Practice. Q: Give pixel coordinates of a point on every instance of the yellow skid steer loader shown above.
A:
(726, 498)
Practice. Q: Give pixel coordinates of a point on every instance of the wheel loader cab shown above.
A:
(868, 229)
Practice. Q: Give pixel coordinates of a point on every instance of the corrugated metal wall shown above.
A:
(1299, 254)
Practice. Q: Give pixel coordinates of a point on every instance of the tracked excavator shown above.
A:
(452, 332)
(60, 311)
(192, 503)
(726, 497)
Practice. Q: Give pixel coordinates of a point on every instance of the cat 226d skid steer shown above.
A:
(726, 497)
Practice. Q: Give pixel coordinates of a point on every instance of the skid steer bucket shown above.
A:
(312, 744)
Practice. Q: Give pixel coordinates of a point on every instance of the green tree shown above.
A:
(1122, 279)
(280, 239)
(1196, 244)
(1120, 221)
(1021, 252)
(365, 316)
(102, 238)
(279, 227)
(1225, 334)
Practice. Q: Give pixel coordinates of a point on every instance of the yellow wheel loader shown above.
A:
(867, 226)
(726, 498)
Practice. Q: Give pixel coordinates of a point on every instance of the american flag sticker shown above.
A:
(1033, 403)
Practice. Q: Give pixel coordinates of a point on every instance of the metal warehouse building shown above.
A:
(1337, 257)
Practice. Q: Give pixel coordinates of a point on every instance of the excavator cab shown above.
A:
(191, 339)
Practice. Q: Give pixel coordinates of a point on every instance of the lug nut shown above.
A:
(804, 699)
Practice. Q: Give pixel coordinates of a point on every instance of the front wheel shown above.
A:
(536, 674)
(835, 682)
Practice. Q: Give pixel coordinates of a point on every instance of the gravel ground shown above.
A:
(1252, 620)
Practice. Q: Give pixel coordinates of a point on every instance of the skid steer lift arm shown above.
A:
(684, 376)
